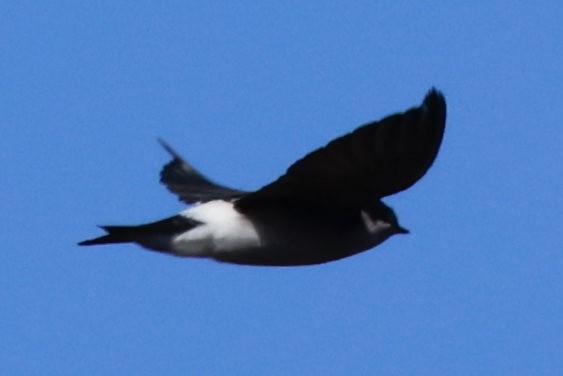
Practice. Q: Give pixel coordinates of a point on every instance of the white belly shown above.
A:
(223, 229)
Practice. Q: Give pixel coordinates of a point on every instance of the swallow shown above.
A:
(327, 205)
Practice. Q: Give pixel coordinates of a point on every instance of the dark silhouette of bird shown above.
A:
(325, 207)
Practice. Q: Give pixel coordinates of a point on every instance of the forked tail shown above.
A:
(143, 233)
(115, 234)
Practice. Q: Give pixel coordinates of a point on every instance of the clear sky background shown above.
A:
(243, 89)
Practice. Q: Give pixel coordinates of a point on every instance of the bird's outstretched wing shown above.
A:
(375, 160)
(189, 184)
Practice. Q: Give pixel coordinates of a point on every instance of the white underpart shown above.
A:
(223, 229)
(372, 226)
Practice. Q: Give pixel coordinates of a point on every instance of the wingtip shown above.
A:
(168, 148)
(435, 102)
(434, 96)
(433, 92)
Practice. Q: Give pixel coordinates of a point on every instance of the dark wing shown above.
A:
(375, 160)
(189, 184)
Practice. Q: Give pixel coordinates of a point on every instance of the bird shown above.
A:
(325, 207)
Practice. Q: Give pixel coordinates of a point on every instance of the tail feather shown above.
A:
(132, 234)
(115, 234)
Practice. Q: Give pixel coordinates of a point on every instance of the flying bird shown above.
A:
(325, 207)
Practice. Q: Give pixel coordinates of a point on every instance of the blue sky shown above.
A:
(243, 89)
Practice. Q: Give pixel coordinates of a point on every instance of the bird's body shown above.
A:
(227, 235)
(326, 207)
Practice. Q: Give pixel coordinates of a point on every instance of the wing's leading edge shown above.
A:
(375, 160)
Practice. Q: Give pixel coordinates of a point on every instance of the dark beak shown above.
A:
(401, 230)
